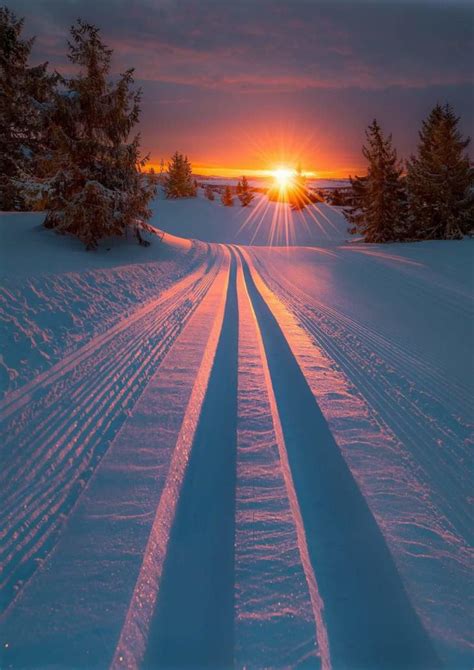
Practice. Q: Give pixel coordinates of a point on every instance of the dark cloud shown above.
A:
(285, 57)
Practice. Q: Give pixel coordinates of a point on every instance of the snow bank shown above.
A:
(55, 296)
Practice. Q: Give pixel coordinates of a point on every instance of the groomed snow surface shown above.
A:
(244, 446)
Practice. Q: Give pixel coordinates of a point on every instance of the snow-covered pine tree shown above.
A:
(25, 102)
(378, 208)
(238, 188)
(209, 193)
(97, 187)
(227, 198)
(245, 194)
(440, 179)
(179, 182)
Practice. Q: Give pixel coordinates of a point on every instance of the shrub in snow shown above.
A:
(227, 198)
(95, 186)
(25, 104)
(179, 182)
(440, 179)
(244, 192)
(378, 203)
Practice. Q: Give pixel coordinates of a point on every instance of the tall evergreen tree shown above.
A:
(25, 102)
(97, 187)
(179, 182)
(440, 179)
(227, 198)
(378, 208)
(245, 194)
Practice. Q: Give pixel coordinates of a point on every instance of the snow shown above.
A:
(244, 454)
(260, 224)
(54, 296)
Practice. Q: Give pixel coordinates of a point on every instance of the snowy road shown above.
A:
(237, 474)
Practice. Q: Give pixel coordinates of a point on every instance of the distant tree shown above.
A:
(209, 193)
(238, 188)
(162, 171)
(96, 186)
(298, 195)
(336, 198)
(378, 208)
(440, 179)
(245, 193)
(25, 103)
(179, 183)
(227, 198)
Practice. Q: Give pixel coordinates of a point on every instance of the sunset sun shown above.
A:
(283, 177)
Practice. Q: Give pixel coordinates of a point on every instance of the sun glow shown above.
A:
(284, 177)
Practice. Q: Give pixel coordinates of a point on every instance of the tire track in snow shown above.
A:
(369, 618)
(136, 641)
(279, 612)
(100, 382)
(440, 446)
(87, 583)
(193, 625)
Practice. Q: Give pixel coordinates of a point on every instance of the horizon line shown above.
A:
(221, 171)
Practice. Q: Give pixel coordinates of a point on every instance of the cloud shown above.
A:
(272, 45)
(224, 78)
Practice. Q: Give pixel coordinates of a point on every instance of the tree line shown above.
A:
(431, 197)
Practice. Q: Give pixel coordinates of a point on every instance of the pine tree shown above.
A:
(25, 100)
(209, 193)
(179, 182)
(227, 198)
(378, 208)
(335, 198)
(97, 187)
(298, 194)
(238, 189)
(244, 193)
(161, 178)
(440, 179)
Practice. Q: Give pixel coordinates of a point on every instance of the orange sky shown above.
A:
(244, 87)
(217, 170)
(257, 149)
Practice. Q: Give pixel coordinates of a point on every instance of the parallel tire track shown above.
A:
(356, 578)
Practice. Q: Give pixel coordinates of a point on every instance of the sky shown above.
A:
(249, 85)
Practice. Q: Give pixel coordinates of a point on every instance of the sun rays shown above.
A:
(283, 222)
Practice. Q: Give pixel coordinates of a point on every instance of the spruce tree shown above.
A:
(298, 193)
(378, 208)
(209, 193)
(25, 102)
(440, 179)
(244, 193)
(97, 187)
(227, 198)
(179, 182)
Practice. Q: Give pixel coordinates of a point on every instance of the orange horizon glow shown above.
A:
(231, 172)
(266, 148)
